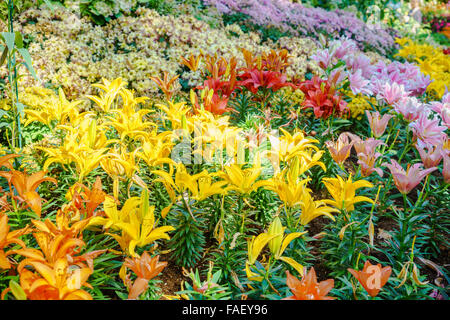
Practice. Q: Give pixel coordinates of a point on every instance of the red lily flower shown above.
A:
(321, 96)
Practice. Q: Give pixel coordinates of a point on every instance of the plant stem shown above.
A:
(12, 77)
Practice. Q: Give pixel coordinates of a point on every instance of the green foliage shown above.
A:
(19, 6)
(207, 290)
(12, 45)
(188, 241)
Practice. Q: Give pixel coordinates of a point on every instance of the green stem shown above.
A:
(12, 76)
(408, 146)
(404, 228)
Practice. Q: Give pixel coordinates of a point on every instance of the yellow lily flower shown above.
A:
(279, 243)
(301, 164)
(174, 113)
(62, 111)
(256, 244)
(130, 123)
(204, 187)
(289, 191)
(156, 150)
(113, 215)
(118, 164)
(288, 146)
(140, 226)
(213, 138)
(85, 159)
(343, 192)
(200, 185)
(312, 209)
(130, 101)
(111, 89)
(84, 145)
(243, 180)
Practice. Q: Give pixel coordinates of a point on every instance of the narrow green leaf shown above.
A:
(20, 108)
(26, 56)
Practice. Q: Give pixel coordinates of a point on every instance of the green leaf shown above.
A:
(49, 4)
(26, 56)
(9, 38)
(19, 40)
(20, 108)
(17, 290)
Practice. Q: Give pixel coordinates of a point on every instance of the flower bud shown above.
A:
(275, 229)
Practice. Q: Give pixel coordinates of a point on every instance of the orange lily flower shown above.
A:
(54, 247)
(219, 67)
(165, 84)
(7, 238)
(4, 204)
(26, 186)
(62, 226)
(5, 160)
(308, 288)
(146, 268)
(57, 282)
(192, 63)
(51, 249)
(93, 197)
(276, 60)
(372, 277)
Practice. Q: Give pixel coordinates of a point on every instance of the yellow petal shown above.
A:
(294, 264)
(288, 240)
(166, 210)
(257, 244)
(341, 233)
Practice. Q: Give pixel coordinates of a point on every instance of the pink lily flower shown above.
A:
(367, 155)
(367, 163)
(443, 109)
(433, 157)
(364, 146)
(343, 47)
(340, 150)
(323, 58)
(377, 124)
(337, 75)
(392, 94)
(358, 84)
(410, 108)
(428, 131)
(446, 168)
(445, 115)
(407, 180)
(361, 62)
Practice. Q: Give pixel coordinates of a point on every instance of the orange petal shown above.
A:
(139, 286)
(33, 199)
